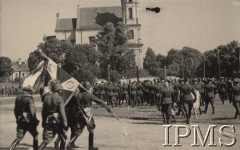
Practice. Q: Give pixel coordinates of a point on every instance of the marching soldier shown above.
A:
(158, 95)
(84, 115)
(102, 89)
(209, 95)
(188, 97)
(139, 93)
(96, 90)
(54, 119)
(26, 119)
(133, 93)
(236, 97)
(152, 93)
(166, 101)
(125, 92)
(222, 89)
(229, 89)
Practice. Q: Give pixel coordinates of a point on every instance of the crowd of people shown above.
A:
(9, 90)
(172, 97)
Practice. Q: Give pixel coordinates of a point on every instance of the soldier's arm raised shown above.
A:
(100, 102)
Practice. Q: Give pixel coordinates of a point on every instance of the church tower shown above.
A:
(130, 18)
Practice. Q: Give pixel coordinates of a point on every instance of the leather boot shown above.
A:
(35, 143)
(14, 144)
(164, 118)
(213, 110)
(90, 142)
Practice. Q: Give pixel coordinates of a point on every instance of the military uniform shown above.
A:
(229, 89)
(166, 102)
(54, 120)
(25, 114)
(125, 92)
(222, 86)
(158, 96)
(140, 94)
(152, 94)
(209, 96)
(102, 89)
(236, 97)
(84, 116)
(188, 97)
(133, 94)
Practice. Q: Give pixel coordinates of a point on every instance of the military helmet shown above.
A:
(236, 80)
(56, 87)
(87, 85)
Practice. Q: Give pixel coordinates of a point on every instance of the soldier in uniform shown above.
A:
(152, 93)
(236, 97)
(26, 119)
(125, 92)
(222, 89)
(166, 101)
(209, 95)
(188, 98)
(96, 90)
(133, 93)
(139, 93)
(54, 119)
(158, 95)
(84, 115)
(102, 89)
(229, 89)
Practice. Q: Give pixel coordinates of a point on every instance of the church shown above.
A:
(89, 21)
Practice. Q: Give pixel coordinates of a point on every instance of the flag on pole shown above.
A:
(34, 79)
(68, 83)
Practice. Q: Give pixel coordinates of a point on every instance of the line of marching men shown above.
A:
(57, 116)
(181, 96)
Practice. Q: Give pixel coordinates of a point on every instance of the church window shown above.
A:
(130, 13)
(130, 34)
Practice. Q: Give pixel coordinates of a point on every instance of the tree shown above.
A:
(229, 61)
(113, 51)
(81, 62)
(5, 68)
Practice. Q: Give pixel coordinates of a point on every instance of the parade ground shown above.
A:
(140, 128)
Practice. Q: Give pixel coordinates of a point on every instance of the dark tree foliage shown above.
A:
(113, 51)
(77, 60)
(182, 63)
(229, 61)
(81, 62)
(5, 68)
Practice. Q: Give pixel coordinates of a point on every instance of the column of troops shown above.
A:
(9, 91)
(172, 97)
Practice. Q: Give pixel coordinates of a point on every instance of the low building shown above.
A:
(20, 70)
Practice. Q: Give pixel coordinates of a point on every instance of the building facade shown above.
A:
(89, 21)
(20, 70)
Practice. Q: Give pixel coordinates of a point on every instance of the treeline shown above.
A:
(189, 62)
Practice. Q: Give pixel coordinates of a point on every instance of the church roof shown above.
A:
(66, 24)
(94, 18)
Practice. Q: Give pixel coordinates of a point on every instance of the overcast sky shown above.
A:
(201, 24)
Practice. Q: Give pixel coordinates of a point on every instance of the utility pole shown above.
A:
(109, 72)
(165, 71)
(204, 67)
(219, 69)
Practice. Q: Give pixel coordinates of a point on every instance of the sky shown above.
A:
(200, 24)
